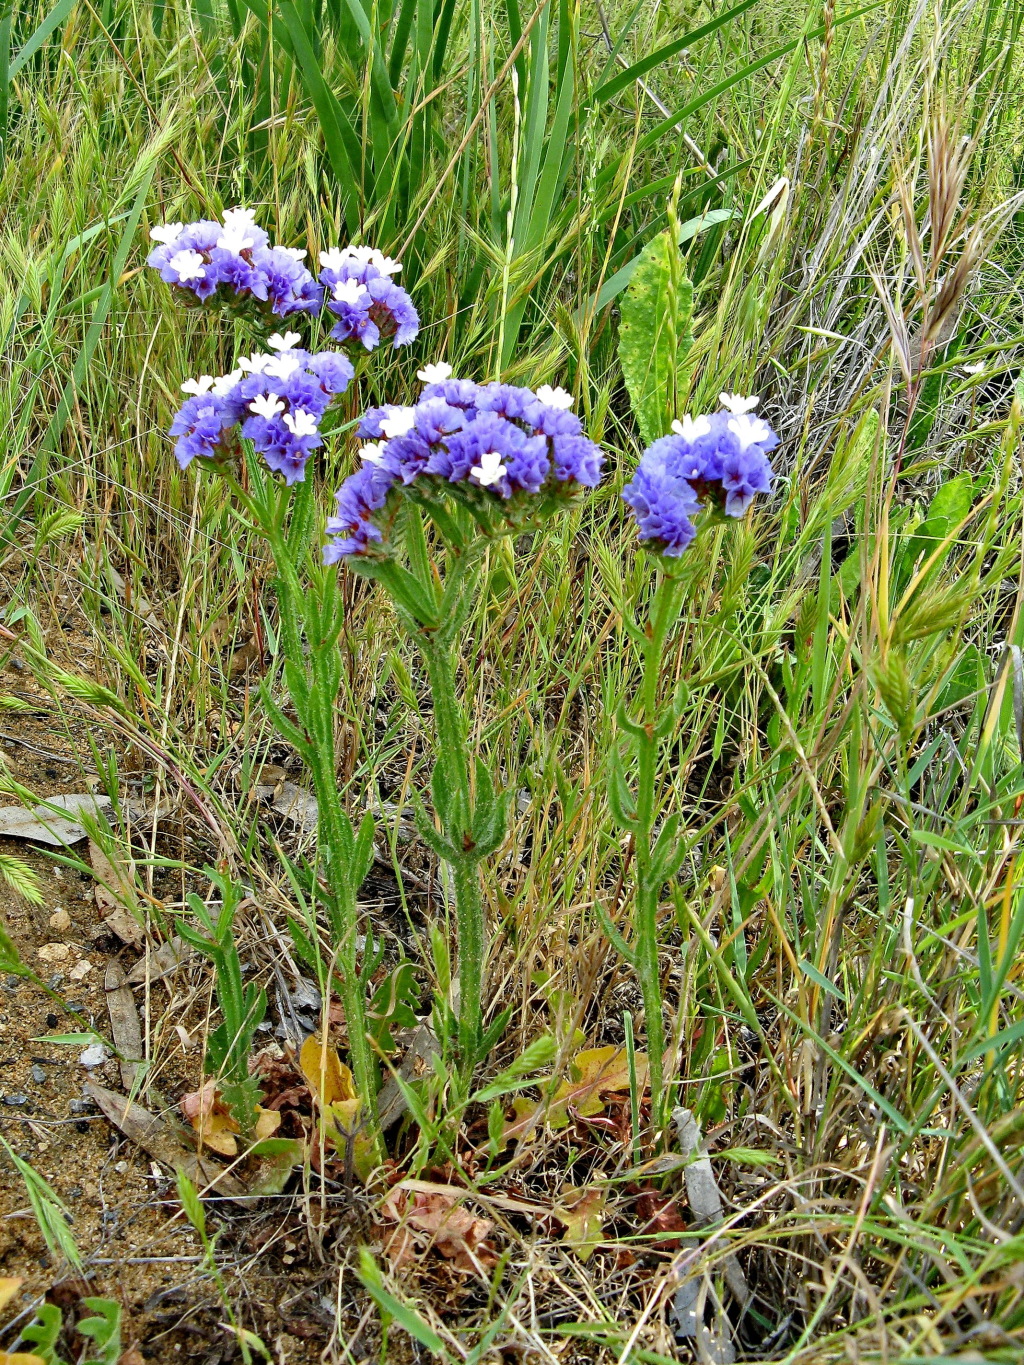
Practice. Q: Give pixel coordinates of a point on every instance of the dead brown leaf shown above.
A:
(659, 1216)
(441, 1222)
(115, 898)
(244, 657)
(125, 1028)
(162, 1143)
(211, 1119)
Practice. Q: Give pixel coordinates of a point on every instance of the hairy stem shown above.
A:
(664, 610)
(453, 758)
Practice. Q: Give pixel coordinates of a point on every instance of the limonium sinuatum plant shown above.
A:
(482, 461)
(267, 413)
(709, 469)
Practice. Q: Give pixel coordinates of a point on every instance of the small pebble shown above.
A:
(51, 1019)
(38, 1075)
(79, 1106)
(15, 1099)
(75, 1191)
(12, 983)
(95, 1055)
(120, 1167)
(60, 920)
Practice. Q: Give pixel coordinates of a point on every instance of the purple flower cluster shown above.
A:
(275, 399)
(361, 294)
(720, 458)
(235, 262)
(491, 440)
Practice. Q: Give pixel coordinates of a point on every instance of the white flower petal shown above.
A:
(266, 405)
(555, 397)
(736, 403)
(203, 384)
(692, 428)
(187, 265)
(398, 422)
(489, 470)
(288, 342)
(436, 373)
(349, 291)
(167, 233)
(300, 422)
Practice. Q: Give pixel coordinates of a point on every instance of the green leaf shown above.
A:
(192, 1204)
(105, 1330)
(373, 1282)
(820, 979)
(948, 508)
(655, 337)
(44, 1333)
(52, 22)
(941, 841)
(746, 1156)
(639, 69)
(393, 1006)
(49, 1211)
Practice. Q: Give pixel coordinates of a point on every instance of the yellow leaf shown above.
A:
(20, 1358)
(596, 1072)
(326, 1075)
(8, 1288)
(217, 1131)
(347, 1126)
(583, 1216)
(268, 1123)
(521, 1127)
(333, 1088)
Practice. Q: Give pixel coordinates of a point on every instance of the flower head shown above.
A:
(275, 400)
(494, 446)
(719, 459)
(233, 262)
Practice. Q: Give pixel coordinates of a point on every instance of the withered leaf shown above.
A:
(162, 1143)
(582, 1213)
(125, 1027)
(115, 898)
(44, 826)
(596, 1072)
(333, 1089)
(443, 1224)
(161, 963)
